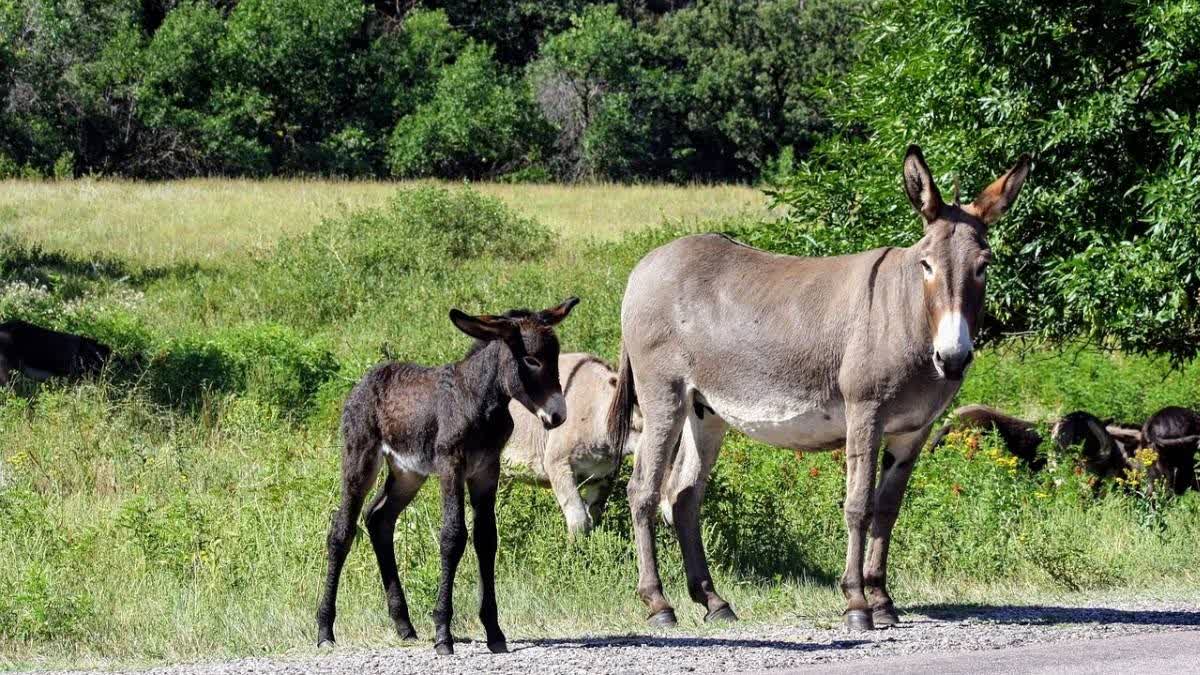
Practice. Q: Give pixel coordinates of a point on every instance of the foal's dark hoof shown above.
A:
(885, 616)
(443, 648)
(858, 620)
(722, 614)
(663, 619)
(498, 647)
(406, 632)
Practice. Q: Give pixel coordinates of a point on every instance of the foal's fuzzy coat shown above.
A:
(451, 421)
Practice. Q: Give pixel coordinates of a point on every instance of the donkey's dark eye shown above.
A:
(532, 362)
(926, 267)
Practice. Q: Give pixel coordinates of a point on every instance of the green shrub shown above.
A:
(357, 259)
(270, 363)
(479, 122)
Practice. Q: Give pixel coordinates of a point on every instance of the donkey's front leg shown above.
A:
(482, 486)
(566, 491)
(453, 542)
(862, 448)
(898, 464)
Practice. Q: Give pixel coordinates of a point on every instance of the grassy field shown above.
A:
(210, 220)
(177, 508)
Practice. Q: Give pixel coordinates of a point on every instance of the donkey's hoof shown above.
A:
(326, 644)
(406, 632)
(663, 619)
(858, 620)
(498, 647)
(443, 648)
(722, 614)
(885, 616)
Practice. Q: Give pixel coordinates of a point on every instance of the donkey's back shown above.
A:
(392, 412)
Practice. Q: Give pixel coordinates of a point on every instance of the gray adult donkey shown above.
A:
(806, 353)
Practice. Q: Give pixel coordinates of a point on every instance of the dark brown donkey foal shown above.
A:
(452, 421)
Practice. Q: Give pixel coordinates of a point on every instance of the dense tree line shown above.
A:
(564, 89)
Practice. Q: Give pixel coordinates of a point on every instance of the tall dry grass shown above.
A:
(210, 220)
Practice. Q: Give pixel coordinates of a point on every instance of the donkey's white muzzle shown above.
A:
(952, 346)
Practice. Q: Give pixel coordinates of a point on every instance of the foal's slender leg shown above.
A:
(453, 543)
(398, 491)
(482, 487)
(902, 454)
(663, 408)
(862, 449)
(360, 466)
(698, 450)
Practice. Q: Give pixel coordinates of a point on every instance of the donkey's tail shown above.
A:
(620, 410)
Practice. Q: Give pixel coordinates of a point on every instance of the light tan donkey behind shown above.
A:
(576, 459)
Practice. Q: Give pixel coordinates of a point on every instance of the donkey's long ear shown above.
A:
(919, 185)
(552, 316)
(997, 197)
(484, 327)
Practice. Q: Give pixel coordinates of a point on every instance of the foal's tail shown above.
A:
(620, 411)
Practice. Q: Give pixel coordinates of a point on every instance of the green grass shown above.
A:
(177, 508)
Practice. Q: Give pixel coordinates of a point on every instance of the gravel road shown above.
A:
(933, 630)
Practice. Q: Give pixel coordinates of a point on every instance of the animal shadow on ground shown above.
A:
(660, 641)
(1047, 615)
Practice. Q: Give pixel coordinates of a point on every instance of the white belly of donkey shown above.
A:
(798, 425)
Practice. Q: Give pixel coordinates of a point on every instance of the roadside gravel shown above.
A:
(746, 647)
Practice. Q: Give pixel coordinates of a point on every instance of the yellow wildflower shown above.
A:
(1147, 456)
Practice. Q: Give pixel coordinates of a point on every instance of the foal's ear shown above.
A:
(483, 327)
(997, 197)
(554, 315)
(919, 185)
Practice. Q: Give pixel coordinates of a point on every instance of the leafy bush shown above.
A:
(270, 363)
(478, 123)
(295, 54)
(1103, 242)
(359, 258)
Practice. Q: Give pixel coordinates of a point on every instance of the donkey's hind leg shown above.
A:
(398, 491)
(698, 449)
(662, 406)
(482, 486)
(360, 466)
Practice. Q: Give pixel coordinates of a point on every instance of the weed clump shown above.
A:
(354, 260)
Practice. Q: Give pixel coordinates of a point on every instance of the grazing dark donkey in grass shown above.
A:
(1020, 437)
(804, 353)
(40, 353)
(1174, 433)
(452, 421)
(1108, 449)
